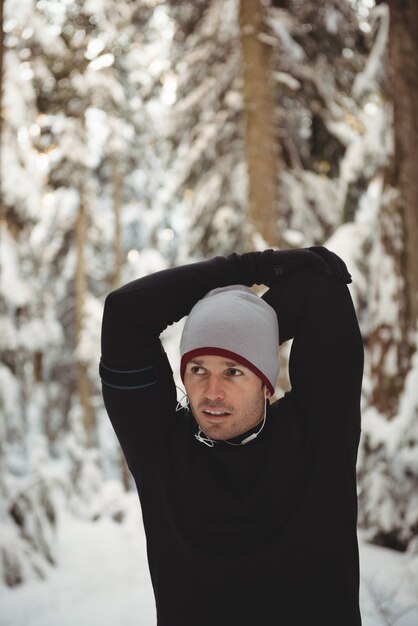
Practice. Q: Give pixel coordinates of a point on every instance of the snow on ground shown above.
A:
(103, 580)
(389, 587)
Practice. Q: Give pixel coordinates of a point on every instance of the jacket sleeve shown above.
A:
(137, 382)
(326, 359)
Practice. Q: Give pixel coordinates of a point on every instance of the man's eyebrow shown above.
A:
(227, 363)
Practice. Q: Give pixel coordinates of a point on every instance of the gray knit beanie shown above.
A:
(234, 322)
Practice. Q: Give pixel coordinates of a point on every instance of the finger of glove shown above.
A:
(334, 262)
(286, 261)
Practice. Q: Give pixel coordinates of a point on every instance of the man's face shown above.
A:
(226, 398)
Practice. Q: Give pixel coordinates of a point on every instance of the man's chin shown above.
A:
(217, 432)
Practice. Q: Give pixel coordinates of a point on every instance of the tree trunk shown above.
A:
(117, 272)
(117, 202)
(1, 96)
(82, 376)
(403, 59)
(395, 343)
(261, 145)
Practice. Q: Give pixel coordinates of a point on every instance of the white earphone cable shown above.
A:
(211, 442)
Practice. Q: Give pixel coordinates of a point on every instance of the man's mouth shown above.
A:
(213, 413)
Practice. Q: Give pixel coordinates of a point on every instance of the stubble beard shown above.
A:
(239, 422)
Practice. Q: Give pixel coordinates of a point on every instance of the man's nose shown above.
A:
(214, 388)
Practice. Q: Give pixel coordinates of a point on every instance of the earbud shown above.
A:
(266, 392)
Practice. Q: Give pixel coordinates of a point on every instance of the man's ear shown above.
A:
(267, 392)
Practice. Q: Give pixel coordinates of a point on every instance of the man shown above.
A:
(249, 509)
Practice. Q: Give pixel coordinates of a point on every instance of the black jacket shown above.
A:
(256, 535)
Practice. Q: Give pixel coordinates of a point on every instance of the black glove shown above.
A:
(279, 263)
(335, 264)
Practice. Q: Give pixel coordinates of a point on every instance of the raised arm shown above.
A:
(326, 361)
(138, 387)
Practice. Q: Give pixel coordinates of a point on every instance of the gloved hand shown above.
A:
(279, 263)
(334, 262)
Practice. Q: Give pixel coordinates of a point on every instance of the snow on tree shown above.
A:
(66, 147)
(388, 470)
(207, 182)
(317, 49)
(373, 244)
(127, 119)
(27, 514)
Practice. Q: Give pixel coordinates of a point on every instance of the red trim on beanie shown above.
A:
(187, 356)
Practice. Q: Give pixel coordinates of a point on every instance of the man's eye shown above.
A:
(196, 369)
(233, 371)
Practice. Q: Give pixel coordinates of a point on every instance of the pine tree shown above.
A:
(316, 49)
(63, 92)
(388, 495)
(27, 513)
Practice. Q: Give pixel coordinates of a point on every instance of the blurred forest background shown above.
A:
(142, 134)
